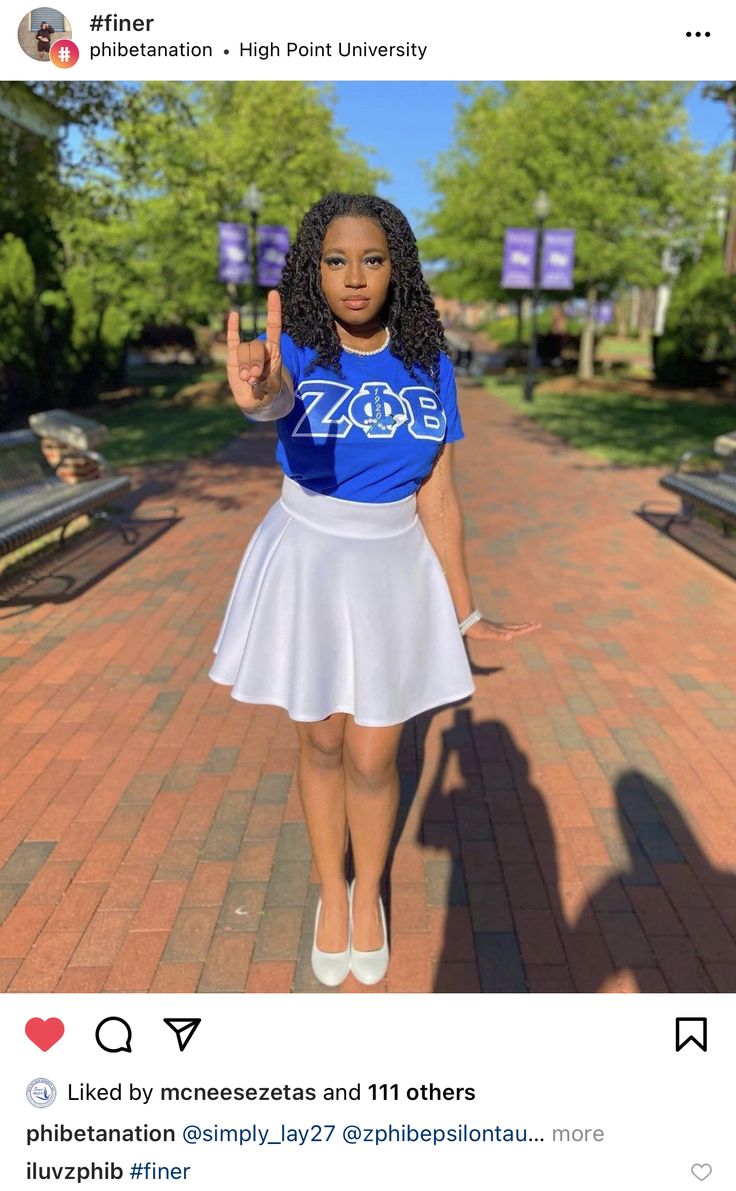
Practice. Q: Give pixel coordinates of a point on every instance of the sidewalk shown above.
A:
(573, 827)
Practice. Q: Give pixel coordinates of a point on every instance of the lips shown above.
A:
(355, 303)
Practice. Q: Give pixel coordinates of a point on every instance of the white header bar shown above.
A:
(382, 41)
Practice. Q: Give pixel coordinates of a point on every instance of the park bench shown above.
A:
(34, 500)
(705, 482)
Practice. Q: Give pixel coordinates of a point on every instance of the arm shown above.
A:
(439, 508)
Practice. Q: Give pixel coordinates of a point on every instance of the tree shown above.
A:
(180, 160)
(616, 162)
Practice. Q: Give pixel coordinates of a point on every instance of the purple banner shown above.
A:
(273, 244)
(558, 258)
(234, 260)
(603, 313)
(519, 258)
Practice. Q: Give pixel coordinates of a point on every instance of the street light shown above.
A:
(253, 202)
(542, 208)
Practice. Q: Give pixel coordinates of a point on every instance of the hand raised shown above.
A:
(254, 367)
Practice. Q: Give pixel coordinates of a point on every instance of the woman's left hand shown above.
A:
(490, 630)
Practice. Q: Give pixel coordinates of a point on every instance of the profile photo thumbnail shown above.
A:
(39, 29)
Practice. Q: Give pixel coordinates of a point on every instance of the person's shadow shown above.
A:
(656, 923)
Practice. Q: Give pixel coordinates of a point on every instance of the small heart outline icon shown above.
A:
(44, 1034)
(702, 1170)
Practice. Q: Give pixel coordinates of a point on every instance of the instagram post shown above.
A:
(367, 563)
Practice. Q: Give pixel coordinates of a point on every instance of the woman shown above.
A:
(43, 38)
(352, 598)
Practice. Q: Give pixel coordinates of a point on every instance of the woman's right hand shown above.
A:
(254, 367)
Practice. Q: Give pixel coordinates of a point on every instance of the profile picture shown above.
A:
(39, 29)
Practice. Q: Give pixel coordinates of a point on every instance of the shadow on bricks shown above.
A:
(658, 919)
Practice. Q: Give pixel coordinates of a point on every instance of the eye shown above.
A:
(333, 262)
(374, 260)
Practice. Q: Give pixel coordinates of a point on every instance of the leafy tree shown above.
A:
(616, 162)
(180, 161)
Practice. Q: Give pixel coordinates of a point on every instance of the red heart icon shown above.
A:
(45, 1034)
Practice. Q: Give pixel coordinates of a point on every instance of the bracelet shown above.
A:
(464, 625)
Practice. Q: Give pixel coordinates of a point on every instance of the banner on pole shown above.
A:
(234, 257)
(235, 261)
(519, 258)
(273, 244)
(558, 258)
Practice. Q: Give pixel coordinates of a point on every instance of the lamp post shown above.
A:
(253, 202)
(542, 208)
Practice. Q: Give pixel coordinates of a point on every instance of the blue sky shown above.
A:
(410, 123)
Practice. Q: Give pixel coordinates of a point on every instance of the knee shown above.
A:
(370, 775)
(324, 753)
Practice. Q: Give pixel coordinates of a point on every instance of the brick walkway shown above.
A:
(573, 827)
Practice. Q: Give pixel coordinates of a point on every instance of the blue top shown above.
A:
(371, 435)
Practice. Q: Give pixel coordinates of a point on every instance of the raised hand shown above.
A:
(254, 367)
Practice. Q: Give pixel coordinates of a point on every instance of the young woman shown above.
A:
(352, 598)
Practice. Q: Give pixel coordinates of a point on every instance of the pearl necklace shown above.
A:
(354, 351)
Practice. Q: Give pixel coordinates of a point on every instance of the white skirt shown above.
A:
(340, 606)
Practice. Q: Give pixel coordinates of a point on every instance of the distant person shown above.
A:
(43, 38)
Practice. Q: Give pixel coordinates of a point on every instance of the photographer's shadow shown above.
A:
(496, 899)
(487, 841)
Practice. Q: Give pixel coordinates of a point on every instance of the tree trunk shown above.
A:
(519, 328)
(586, 358)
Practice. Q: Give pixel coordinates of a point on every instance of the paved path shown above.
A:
(571, 827)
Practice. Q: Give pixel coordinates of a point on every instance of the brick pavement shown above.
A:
(573, 827)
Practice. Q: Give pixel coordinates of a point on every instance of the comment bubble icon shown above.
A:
(113, 1034)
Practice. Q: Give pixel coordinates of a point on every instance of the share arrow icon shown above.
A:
(184, 1028)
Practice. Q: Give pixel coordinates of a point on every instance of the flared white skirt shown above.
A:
(340, 606)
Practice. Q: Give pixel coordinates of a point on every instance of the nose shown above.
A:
(354, 275)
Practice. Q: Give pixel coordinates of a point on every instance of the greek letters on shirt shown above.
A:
(375, 410)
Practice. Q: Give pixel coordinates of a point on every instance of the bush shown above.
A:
(699, 344)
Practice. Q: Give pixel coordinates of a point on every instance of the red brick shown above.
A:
(103, 939)
(410, 966)
(270, 976)
(176, 978)
(228, 960)
(136, 962)
(41, 971)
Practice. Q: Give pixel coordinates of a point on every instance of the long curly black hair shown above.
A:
(417, 336)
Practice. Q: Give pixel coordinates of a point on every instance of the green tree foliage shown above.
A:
(180, 160)
(116, 225)
(700, 340)
(614, 158)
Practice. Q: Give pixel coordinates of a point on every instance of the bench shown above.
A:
(34, 501)
(705, 481)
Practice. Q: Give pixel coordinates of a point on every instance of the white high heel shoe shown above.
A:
(330, 967)
(369, 966)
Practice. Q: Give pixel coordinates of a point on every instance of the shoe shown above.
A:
(330, 967)
(369, 966)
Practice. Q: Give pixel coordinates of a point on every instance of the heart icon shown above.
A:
(701, 1170)
(44, 1034)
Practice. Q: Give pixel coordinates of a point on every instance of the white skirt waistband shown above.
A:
(348, 518)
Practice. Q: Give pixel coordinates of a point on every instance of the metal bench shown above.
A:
(33, 501)
(705, 481)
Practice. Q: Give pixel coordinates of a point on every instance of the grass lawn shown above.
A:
(626, 429)
(163, 425)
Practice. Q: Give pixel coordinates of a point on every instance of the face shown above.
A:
(355, 270)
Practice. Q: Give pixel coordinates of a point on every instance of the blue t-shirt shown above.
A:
(370, 435)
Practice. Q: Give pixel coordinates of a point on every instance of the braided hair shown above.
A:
(410, 316)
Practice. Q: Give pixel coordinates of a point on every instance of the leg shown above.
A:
(372, 801)
(322, 790)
